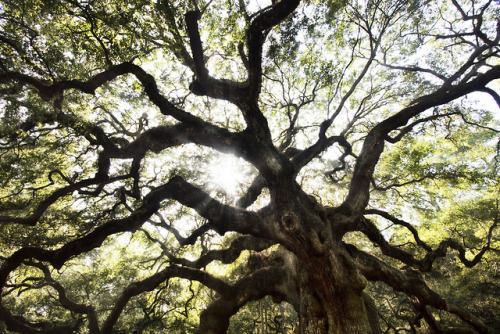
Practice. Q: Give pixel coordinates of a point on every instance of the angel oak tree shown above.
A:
(356, 123)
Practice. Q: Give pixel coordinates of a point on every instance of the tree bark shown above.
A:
(329, 305)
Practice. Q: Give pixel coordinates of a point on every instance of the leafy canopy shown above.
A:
(165, 163)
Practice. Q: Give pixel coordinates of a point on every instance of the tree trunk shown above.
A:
(347, 312)
(313, 271)
(332, 298)
(330, 284)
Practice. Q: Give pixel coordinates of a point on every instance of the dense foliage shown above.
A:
(249, 166)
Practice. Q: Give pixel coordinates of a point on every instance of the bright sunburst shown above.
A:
(227, 173)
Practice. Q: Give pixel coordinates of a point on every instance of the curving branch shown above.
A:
(58, 257)
(183, 241)
(443, 247)
(223, 218)
(263, 282)
(206, 133)
(414, 68)
(69, 304)
(48, 91)
(215, 319)
(302, 158)
(400, 222)
(19, 324)
(252, 193)
(409, 128)
(425, 264)
(100, 179)
(159, 138)
(373, 146)
(256, 34)
(242, 94)
(227, 255)
(152, 282)
(493, 94)
(411, 283)
(368, 228)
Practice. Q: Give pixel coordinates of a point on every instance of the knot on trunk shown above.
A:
(290, 222)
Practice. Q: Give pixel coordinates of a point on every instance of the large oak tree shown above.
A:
(367, 160)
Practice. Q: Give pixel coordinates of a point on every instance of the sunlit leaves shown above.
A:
(64, 39)
(76, 163)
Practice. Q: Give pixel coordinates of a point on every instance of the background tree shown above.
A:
(164, 164)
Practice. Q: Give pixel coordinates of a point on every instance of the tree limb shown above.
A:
(373, 146)
(411, 283)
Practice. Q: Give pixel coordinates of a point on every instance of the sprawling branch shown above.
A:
(227, 255)
(248, 94)
(222, 217)
(272, 280)
(68, 303)
(411, 283)
(242, 94)
(414, 68)
(373, 146)
(152, 282)
(407, 129)
(161, 137)
(257, 32)
(19, 324)
(400, 222)
(425, 264)
(155, 140)
(263, 282)
(304, 157)
(183, 241)
(101, 178)
(48, 91)
(58, 257)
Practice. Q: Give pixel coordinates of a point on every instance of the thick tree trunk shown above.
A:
(326, 291)
(349, 315)
(330, 285)
(327, 307)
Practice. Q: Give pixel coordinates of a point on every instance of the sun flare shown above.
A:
(227, 173)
